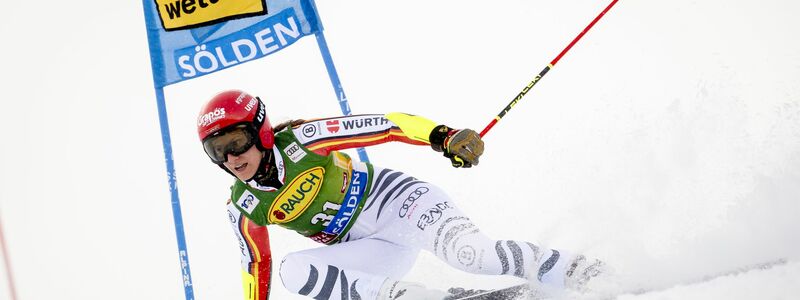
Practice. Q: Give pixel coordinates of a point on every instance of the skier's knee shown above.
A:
(464, 251)
(295, 271)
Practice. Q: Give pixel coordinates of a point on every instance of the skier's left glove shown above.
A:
(463, 146)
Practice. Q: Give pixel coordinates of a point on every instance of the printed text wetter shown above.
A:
(177, 14)
(247, 44)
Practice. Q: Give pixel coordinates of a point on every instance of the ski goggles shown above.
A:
(234, 141)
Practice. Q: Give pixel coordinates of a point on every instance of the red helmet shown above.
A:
(231, 108)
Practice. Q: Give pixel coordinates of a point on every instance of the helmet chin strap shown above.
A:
(267, 173)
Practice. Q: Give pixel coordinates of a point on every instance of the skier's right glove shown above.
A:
(463, 146)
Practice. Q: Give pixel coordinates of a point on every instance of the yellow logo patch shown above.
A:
(183, 14)
(296, 197)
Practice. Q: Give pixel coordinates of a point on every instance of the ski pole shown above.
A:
(543, 72)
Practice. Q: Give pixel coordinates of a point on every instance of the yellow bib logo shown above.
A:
(183, 14)
(296, 197)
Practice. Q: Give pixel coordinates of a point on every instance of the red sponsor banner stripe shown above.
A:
(363, 141)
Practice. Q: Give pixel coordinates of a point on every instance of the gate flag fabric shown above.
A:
(192, 38)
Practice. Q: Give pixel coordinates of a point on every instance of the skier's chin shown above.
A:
(245, 172)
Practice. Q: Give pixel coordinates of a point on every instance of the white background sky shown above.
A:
(667, 142)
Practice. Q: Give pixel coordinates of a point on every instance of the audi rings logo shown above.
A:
(411, 199)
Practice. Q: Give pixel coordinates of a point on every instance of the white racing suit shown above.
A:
(401, 216)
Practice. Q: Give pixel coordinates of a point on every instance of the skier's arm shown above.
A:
(255, 254)
(325, 135)
(463, 147)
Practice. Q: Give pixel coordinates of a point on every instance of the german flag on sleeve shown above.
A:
(325, 135)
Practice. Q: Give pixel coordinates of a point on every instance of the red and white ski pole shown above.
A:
(543, 72)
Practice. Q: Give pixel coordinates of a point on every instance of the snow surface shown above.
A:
(772, 283)
(666, 142)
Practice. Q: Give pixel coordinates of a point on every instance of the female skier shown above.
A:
(375, 220)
